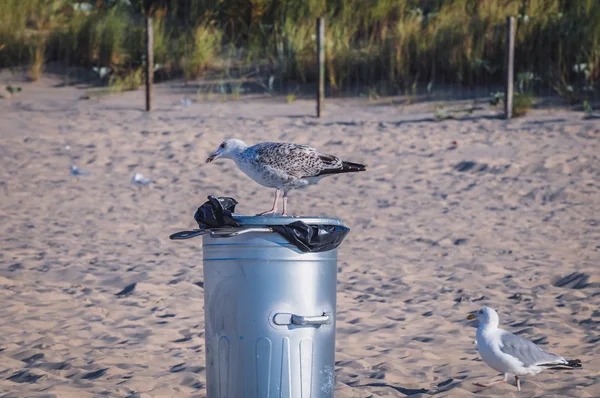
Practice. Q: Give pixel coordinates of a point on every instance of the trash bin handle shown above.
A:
(310, 320)
(218, 234)
(285, 318)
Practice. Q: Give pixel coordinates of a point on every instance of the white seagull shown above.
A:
(139, 180)
(510, 354)
(282, 166)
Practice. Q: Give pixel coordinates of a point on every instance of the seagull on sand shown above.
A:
(139, 180)
(282, 166)
(511, 354)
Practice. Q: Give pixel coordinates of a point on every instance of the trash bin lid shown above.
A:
(279, 220)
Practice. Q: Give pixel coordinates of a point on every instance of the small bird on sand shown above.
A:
(282, 166)
(139, 180)
(511, 354)
(77, 172)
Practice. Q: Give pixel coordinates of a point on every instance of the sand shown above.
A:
(436, 232)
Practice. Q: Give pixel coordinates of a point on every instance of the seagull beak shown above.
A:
(212, 157)
(216, 154)
(470, 317)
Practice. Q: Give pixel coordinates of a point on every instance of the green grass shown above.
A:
(130, 81)
(522, 102)
(401, 45)
(587, 108)
(201, 51)
(36, 59)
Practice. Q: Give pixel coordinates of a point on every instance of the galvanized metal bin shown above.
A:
(270, 313)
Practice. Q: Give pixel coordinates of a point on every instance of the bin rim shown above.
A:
(277, 219)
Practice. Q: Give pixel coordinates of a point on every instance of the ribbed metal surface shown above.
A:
(248, 279)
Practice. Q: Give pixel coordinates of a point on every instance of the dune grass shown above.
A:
(37, 56)
(522, 102)
(201, 50)
(401, 45)
(130, 80)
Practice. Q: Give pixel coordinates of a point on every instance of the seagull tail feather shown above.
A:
(571, 364)
(347, 167)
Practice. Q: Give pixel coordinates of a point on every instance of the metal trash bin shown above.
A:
(269, 313)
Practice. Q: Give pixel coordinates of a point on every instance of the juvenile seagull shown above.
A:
(511, 354)
(282, 166)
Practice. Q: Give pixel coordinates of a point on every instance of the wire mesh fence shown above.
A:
(418, 48)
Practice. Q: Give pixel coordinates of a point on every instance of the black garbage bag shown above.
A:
(216, 213)
(312, 238)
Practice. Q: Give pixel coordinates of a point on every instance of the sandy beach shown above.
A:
(437, 231)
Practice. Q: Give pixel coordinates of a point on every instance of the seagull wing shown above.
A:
(301, 161)
(297, 161)
(527, 352)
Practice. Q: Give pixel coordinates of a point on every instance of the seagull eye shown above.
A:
(481, 311)
(222, 145)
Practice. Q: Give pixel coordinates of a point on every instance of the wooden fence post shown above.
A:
(321, 65)
(509, 66)
(149, 62)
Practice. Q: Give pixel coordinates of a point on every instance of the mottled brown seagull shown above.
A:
(283, 166)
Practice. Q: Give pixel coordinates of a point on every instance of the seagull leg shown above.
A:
(274, 209)
(504, 380)
(518, 383)
(284, 214)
